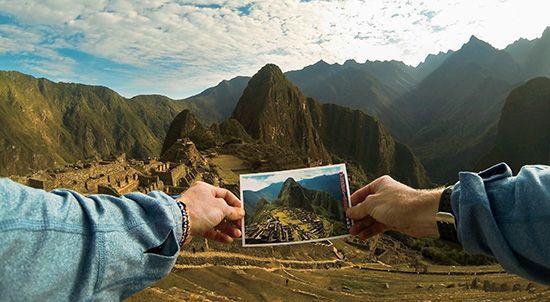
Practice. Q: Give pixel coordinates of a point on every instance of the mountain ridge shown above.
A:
(529, 106)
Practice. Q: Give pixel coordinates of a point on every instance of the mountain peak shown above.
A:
(272, 110)
(546, 33)
(270, 70)
(294, 196)
(183, 125)
(476, 50)
(350, 62)
(290, 182)
(475, 41)
(473, 38)
(321, 63)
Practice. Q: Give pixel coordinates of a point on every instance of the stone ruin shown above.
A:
(118, 176)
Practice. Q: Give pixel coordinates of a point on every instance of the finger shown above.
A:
(360, 195)
(375, 229)
(359, 226)
(229, 197)
(233, 214)
(362, 210)
(218, 236)
(229, 229)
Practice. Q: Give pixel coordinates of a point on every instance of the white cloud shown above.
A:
(255, 182)
(186, 46)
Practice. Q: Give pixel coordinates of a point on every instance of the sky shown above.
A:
(255, 182)
(179, 48)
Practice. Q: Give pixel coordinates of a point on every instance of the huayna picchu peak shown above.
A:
(274, 111)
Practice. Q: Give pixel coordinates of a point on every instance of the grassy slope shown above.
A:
(45, 124)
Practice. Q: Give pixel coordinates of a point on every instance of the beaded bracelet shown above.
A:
(185, 224)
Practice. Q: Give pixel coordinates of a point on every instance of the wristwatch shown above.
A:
(445, 217)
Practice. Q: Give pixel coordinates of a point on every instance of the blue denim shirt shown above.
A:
(507, 217)
(62, 246)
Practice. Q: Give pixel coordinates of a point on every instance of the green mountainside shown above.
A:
(46, 124)
(357, 137)
(524, 127)
(274, 111)
(185, 124)
(293, 195)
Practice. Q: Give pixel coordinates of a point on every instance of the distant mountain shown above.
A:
(370, 87)
(46, 124)
(452, 114)
(394, 75)
(524, 127)
(216, 104)
(533, 55)
(273, 111)
(431, 63)
(251, 198)
(326, 183)
(357, 137)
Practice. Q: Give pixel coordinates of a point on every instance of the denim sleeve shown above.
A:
(62, 246)
(507, 217)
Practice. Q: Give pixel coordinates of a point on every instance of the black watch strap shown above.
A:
(445, 217)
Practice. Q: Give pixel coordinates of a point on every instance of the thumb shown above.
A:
(233, 213)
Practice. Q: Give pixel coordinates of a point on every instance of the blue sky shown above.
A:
(179, 48)
(255, 182)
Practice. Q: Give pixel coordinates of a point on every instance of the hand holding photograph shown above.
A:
(295, 206)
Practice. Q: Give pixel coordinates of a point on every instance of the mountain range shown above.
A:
(325, 183)
(446, 109)
(292, 194)
(274, 112)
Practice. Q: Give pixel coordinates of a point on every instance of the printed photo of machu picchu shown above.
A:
(295, 206)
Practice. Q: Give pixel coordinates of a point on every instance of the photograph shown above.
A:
(295, 206)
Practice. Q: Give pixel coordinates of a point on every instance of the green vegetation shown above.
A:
(47, 124)
(441, 252)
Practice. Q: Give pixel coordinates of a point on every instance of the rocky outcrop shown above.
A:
(354, 135)
(186, 125)
(274, 111)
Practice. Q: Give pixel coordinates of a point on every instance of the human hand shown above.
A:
(214, 213)
(386, 204)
